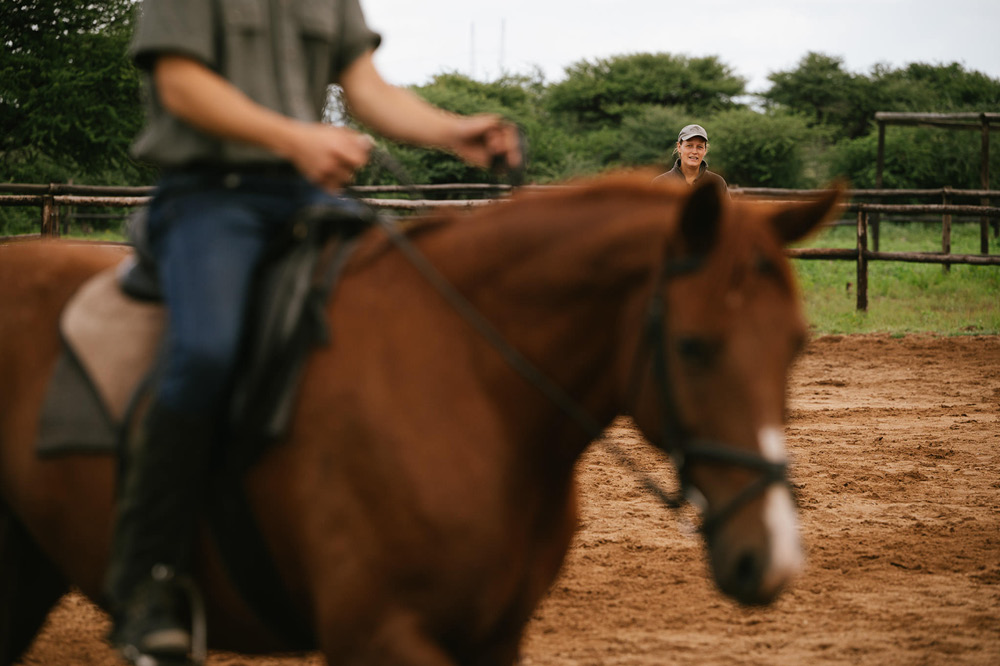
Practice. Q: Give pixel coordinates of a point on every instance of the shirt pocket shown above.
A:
(248, 52)
(244, 15)
(318, 25)
(317, 19)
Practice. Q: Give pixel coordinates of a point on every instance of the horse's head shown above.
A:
(723, 328)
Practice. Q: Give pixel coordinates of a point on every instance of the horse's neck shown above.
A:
(565, 284)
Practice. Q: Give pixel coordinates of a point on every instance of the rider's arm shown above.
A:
(324, 154)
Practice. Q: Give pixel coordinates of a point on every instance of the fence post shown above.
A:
(879, 168)
(862, 261)
(946, 229)
(50, 216)
(984, 179)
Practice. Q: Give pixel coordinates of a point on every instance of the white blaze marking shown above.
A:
(772, 443)
(779, 517)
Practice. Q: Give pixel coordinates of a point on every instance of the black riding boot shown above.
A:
(161, 499)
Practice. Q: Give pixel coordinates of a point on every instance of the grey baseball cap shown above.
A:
(692, 130)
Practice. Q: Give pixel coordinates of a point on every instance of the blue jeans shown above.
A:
(209, 232)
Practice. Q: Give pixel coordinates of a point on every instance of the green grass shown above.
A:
(903, 297)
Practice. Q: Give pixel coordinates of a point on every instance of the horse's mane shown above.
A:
(611, 220)
(629, 188)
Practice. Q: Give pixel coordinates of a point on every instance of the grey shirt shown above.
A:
(282, 54)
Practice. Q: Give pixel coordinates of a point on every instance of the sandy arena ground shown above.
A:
(896, 458)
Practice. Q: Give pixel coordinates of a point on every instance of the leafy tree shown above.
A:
(845, 105)
(915, 158)
(604, 92)
(753, 149)
(648, 136)
(509, 95)
(820, 89)
(67, 89)
(516, 98)
(943, 88)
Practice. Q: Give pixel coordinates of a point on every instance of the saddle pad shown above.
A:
(111, 343)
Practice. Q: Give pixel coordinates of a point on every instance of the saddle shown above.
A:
(111, 331)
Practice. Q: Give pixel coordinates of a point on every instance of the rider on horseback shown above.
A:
(235, 89)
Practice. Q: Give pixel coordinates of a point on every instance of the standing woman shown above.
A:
(691, 167)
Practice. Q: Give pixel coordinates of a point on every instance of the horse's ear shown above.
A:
(799, 220)
(701, 217)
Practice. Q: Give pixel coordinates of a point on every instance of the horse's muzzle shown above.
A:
(754, 565)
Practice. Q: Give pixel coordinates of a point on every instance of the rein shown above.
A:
(684, 450)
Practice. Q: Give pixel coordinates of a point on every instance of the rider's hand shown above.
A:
(485, 139)
(328, 156)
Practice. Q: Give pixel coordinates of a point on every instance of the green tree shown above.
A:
(604, 92)
(820, 89)
(516, 98)
(915, 158)
(67, 89)
(942, 88)
(646, 137)
(753, 149)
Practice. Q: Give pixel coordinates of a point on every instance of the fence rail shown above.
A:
(50, 198)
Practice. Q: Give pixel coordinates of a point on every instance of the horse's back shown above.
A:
(54, 265)
(37, 278)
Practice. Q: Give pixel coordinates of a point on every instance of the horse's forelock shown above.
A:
(748, 246)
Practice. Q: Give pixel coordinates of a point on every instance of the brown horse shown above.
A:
(423, 500)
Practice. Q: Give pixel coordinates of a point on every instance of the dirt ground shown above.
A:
(896, 457)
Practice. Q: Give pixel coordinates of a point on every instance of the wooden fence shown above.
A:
(984, 123)
(51, 198)
(861, 254)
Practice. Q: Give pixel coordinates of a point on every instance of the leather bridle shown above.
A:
(685, 449)
(675, 438)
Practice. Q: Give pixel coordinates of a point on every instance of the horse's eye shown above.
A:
(700, 352)
(766, 266)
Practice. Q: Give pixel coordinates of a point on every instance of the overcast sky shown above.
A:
(754, 37)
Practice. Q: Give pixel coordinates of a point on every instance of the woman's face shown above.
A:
(692, 151)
